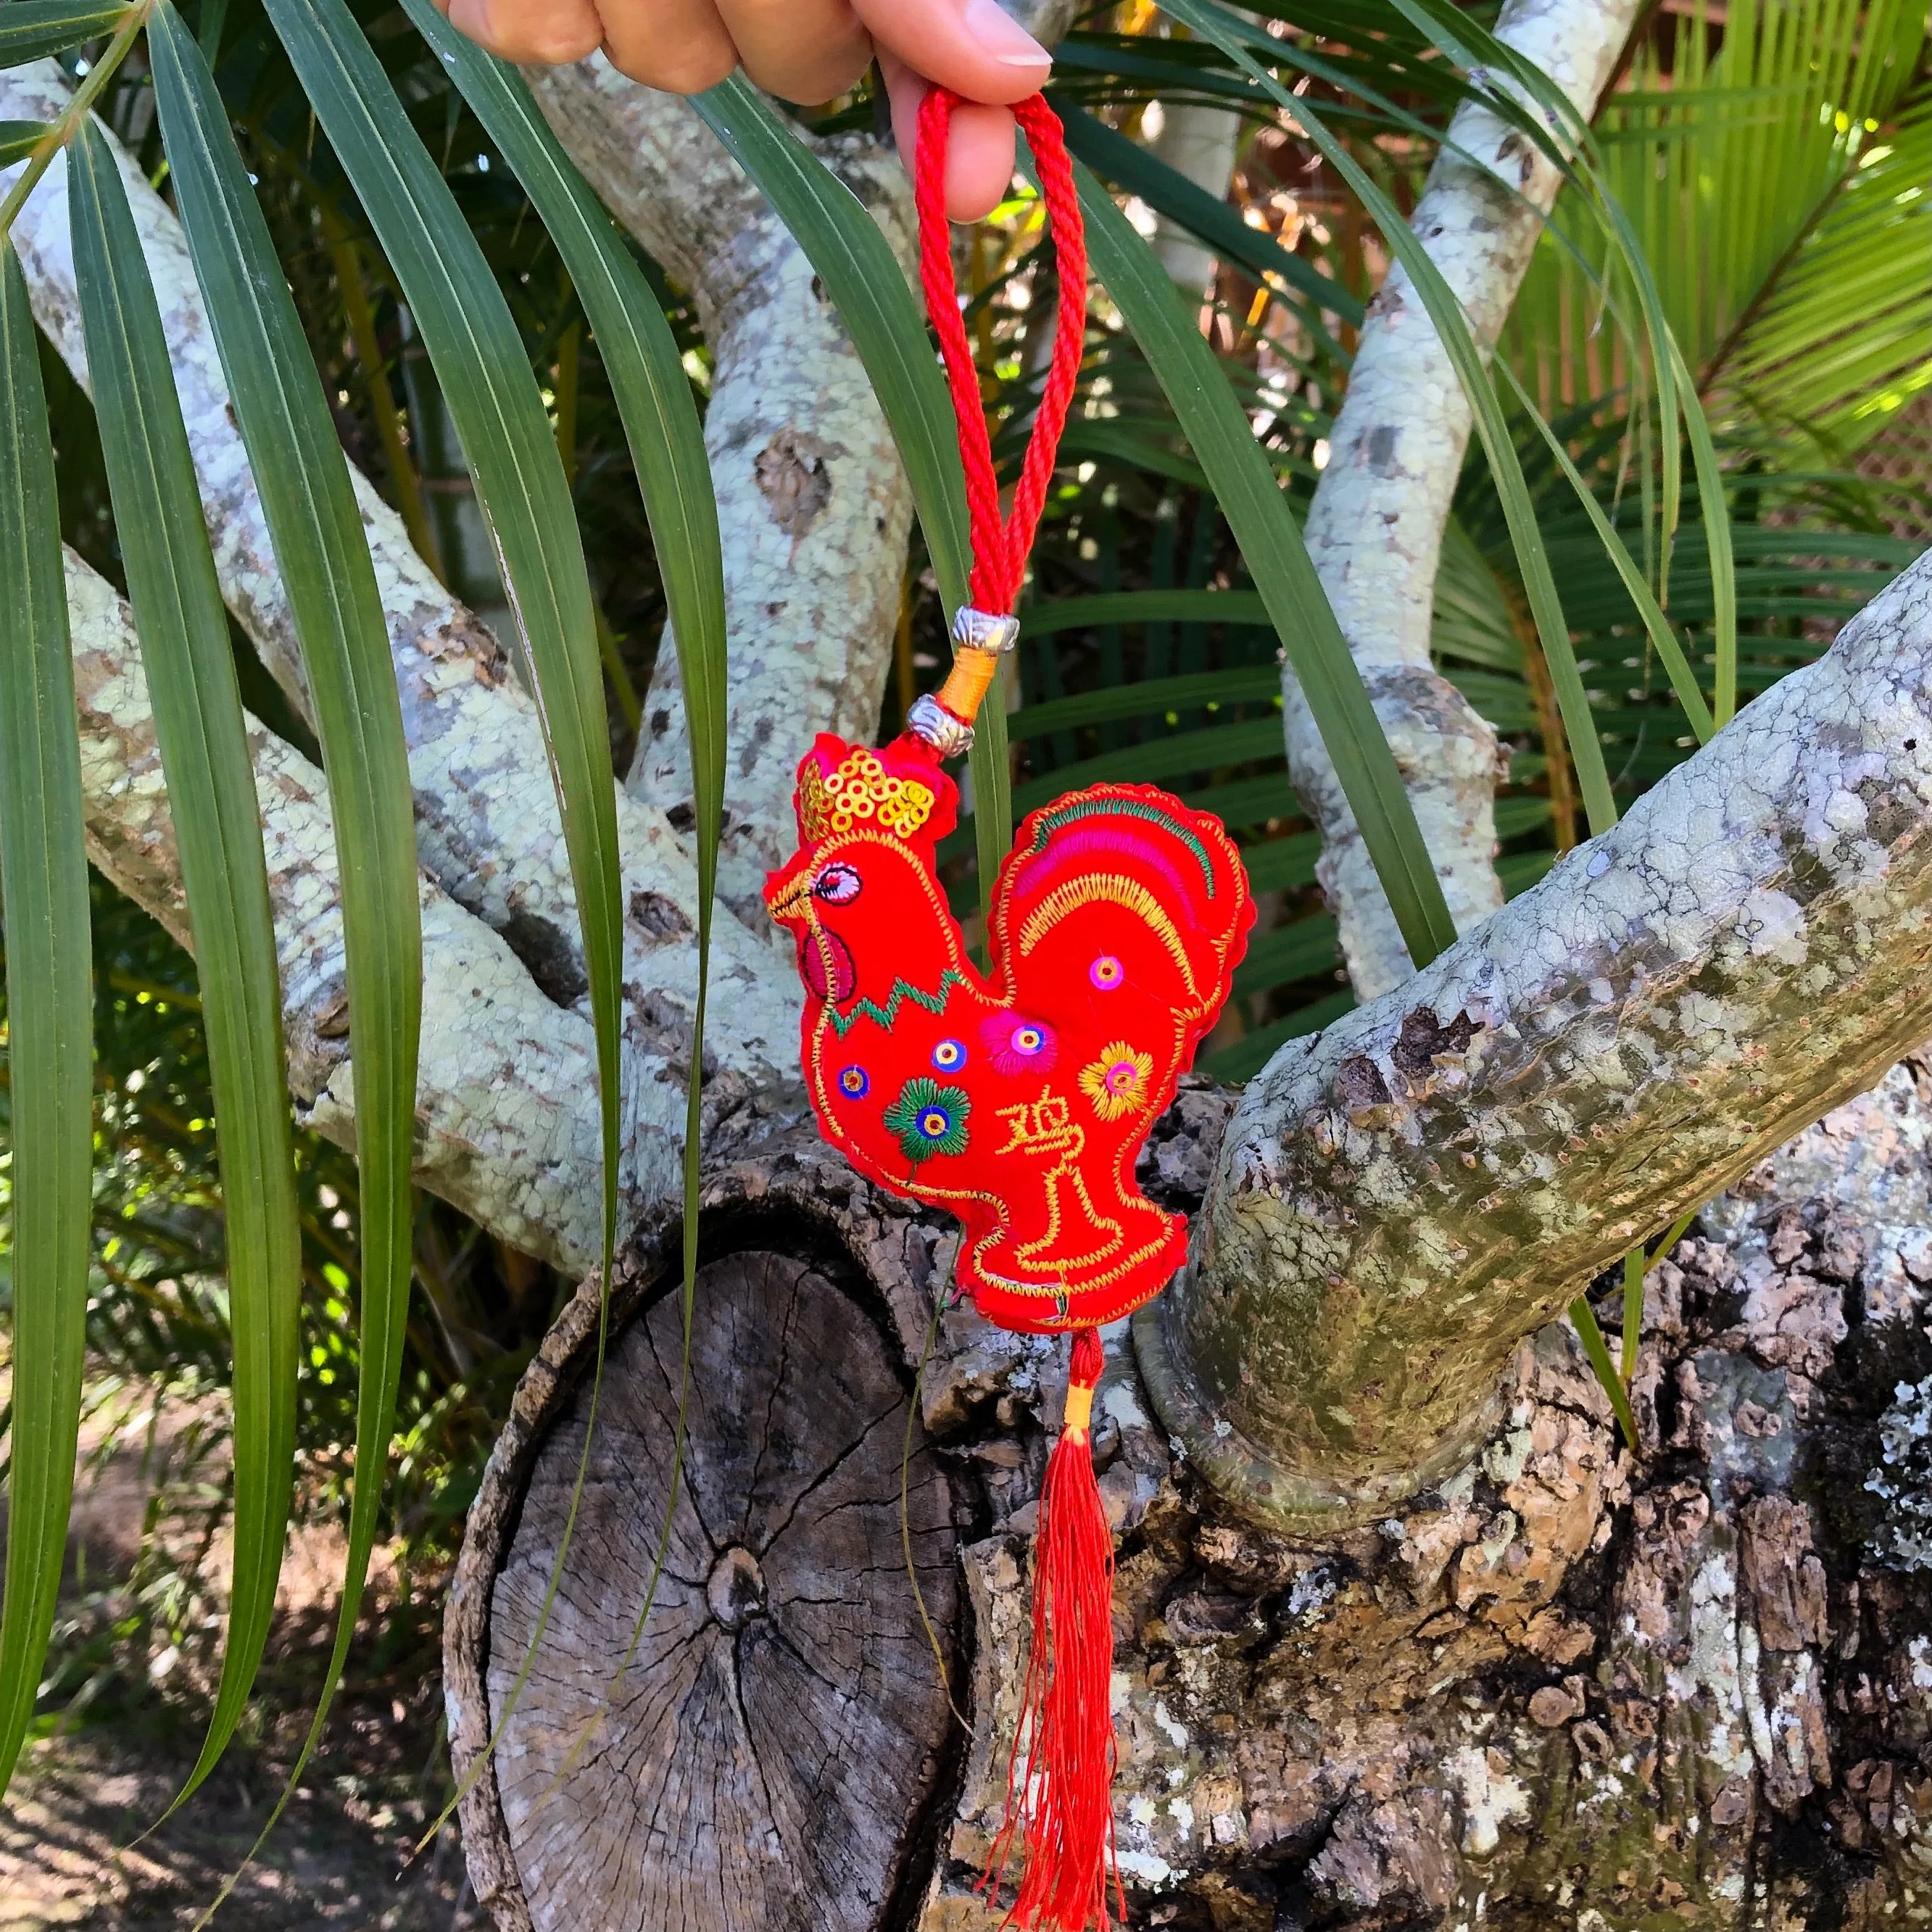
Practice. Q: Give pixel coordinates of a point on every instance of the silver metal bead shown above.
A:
(929, 719)
(980, 630)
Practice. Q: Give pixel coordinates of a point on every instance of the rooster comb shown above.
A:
(900, 790)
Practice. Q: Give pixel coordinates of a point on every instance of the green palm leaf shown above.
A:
(1452, 328)
(1167, 190)
(49, 1014)
(667, 443)
(653, 395)
(32, 29)
(1838, 342)
(197, 708)
(512, 454)
(1753, 178)
(1271, 544)
(1144, 607)
(18, 139)
(323, 559)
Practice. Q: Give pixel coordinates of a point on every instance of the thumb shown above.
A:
(972, 46)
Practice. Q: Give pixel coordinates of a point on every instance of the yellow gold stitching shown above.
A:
(1113, 889)
(860, 788)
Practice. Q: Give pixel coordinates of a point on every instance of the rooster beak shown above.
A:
(789, 901)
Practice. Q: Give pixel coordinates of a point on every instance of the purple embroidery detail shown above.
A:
(1016, 1043)
(1076, 850)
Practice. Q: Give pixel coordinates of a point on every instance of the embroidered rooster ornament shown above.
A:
(1017, 1100)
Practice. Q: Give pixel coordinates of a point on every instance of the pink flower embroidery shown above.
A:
(1017, 1045)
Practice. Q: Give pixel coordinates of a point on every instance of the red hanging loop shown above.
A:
(1001, 544)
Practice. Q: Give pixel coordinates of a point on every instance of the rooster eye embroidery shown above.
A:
(929, 1119)
(837, 885)
(1106, 973)
(1117, 1082)
(950, 1055)
(854, 1082)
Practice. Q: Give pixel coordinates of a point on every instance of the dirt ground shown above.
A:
(68, 1854)
(72, 1848)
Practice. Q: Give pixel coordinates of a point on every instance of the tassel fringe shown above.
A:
(1061, 1804)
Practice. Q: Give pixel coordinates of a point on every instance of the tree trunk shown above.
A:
(1565, 1687)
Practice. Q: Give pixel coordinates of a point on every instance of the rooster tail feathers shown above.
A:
(1175, 868)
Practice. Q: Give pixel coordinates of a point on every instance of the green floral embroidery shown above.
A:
(929, 1119)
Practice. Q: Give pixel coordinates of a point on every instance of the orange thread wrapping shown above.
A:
(967, 683)
(1079, 1418)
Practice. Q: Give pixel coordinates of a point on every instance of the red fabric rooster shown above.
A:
(1018, 1101)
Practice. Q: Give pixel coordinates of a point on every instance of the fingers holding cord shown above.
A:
(982, 55)
(549, 31)
(979, 151)
(681, 46)
(801, 50)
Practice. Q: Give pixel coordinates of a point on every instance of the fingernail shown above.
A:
(1002, 37)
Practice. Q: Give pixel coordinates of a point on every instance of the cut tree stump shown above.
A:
(773, 1754)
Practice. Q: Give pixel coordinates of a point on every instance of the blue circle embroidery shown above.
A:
(854, 1082)
(949, 1056)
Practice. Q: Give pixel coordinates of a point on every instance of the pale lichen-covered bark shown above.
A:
(506, 1111)
(1197, 141)
(1401, 1199)
(1375, 528)
(812, 498)
(487, 818)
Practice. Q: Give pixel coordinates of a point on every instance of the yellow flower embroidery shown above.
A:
(1117, 1082)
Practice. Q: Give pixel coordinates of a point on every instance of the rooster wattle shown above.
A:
(1019, 1100)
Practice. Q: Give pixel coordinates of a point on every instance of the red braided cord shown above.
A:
(1001, 544)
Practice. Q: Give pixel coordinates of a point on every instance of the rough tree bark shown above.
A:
(1566, 1686)
(1403, 1197)
(1547, 1681)
(809, 486)
(1375, 528)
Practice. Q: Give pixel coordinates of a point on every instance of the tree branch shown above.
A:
(486, 819)
(1395, 451)
(812, 495)
(506, 1101)
(1400, 1200)
(1199, 142)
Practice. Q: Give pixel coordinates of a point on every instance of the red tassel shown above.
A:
(1064, 1801)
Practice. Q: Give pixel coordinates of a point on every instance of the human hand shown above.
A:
(802, 50)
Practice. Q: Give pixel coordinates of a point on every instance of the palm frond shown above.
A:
(1842, 339)
(1746, 174)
